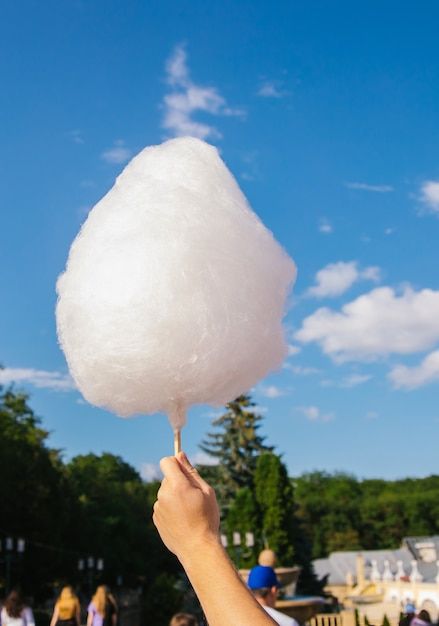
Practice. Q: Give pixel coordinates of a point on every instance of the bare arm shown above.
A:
(187, 518)
(90, 618)
(55, 615)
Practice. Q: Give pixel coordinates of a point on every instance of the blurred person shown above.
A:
(15, 612)
(186, 516)
(67, 611)
(408, 614)
(421, 619)
(183, 619)
(102, 610)
(263, 583)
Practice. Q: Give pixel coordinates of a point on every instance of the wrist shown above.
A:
(203, 550)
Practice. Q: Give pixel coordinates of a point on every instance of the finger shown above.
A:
(173, 471)
(191, 471)
(163, 488)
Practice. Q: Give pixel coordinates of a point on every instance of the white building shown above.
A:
(379, 582)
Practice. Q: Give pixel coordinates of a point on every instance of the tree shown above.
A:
(236, 444)
(115, 517)
(94, 505)
(275, 500)
(36, 500)
(243, 516)
(280, 526)
(328, 507)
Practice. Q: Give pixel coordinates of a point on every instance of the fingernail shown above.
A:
(185, 459)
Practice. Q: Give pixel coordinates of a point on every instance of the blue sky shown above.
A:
(327, 114)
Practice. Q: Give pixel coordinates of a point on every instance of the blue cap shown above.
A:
(409, 608)
(262, 576)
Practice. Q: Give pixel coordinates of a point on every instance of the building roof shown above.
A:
(425, 550)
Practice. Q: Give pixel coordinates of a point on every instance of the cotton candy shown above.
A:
(174, 290)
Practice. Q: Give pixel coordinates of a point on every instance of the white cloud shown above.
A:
(372, 415)
(352, 380)
(300, 370)
(150, 472)
(325, 226)
(76, 136)
(250, 159)
(187, 98)
(258, 409)
(314, 414)
(367, 187)
(292, 349)
(372, 273)
(336, 278)
(177, 72)
(389, 231)
(271, 391)
(355, 379)
(202, 458)
(270, 89)
(83, 211)
(37, 378)
(376, 324)
(412, 377)
(430, 194)
(87, 183)
(118, 154)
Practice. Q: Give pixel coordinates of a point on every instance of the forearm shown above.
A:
(222, 594)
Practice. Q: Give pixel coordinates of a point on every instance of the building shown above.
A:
(378, 582)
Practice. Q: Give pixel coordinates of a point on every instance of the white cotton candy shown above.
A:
(174, 290)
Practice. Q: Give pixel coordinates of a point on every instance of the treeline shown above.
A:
(318, 512)
(341, 512)
(91, 506)
(99, 506)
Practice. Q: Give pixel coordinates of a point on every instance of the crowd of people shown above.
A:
(101, 611)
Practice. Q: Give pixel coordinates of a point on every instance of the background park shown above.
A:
(327, 114)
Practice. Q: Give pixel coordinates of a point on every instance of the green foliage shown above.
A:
(113, 499)
(340, 512)
(344, 540)
(162, 600)
(94, 505)
(255, 493)
(386, 621)
(243, 516)
(275, 500)
(281, 527)
(236, 444)
(36, 498)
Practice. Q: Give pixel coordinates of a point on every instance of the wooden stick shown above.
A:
(177, 441)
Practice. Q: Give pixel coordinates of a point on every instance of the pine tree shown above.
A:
(236, 444)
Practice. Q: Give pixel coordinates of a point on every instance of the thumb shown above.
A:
(191, 471)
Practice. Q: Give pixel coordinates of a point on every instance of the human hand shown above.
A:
(186, 511)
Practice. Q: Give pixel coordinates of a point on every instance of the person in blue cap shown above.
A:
(264, 584)
(408, 614)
